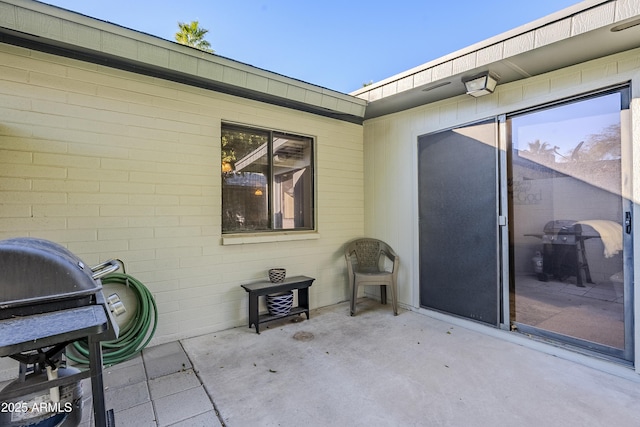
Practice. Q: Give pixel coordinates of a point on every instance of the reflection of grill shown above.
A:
(48, 299)
(563, 251)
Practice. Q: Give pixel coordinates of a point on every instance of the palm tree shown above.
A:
(192, 35)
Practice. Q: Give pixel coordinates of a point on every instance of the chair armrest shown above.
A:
(389, 253)
(393, 257)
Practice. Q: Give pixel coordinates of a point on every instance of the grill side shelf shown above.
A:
(21, 334)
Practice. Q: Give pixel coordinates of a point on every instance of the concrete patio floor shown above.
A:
(373, 369)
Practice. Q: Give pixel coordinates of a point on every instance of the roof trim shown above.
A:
(577, 34)
(546, 21)
(54, 30)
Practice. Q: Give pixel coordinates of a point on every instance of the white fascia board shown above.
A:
(60, 27)
(378, 88)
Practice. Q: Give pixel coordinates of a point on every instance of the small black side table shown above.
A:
(299, 283)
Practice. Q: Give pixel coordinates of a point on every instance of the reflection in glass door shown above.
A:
(566, 208)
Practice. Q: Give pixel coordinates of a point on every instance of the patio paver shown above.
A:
(371, 369)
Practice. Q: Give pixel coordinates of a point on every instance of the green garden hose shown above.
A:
(134, 335)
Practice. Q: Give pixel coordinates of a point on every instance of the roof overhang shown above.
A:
(47, 28)
(574, 35)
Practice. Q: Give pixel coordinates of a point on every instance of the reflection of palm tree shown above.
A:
(537, 147)
(541, 150)
(604, 145)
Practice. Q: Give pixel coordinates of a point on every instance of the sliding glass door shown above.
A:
(458, 201)
(525, 222)
(570, 248)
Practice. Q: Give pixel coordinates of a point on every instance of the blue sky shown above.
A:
(337, 44)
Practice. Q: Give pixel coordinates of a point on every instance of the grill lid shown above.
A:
(562, 226)
(37, 271)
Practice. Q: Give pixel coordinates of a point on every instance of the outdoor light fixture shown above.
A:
(481, 84)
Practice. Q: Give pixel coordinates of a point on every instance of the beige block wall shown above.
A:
(391, 151)
(116, 165)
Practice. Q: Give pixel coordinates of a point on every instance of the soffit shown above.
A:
(51, 29)
(574, 35)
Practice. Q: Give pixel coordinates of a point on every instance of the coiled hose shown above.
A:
(134, 335)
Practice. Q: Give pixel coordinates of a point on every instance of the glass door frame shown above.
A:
(507, 280)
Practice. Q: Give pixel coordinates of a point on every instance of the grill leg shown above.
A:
(582, 261)
(97, 384)
(111, 419)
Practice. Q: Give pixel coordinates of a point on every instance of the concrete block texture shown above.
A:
(114, 164)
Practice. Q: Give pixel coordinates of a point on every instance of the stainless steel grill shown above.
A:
(563, 251)
(48, 299)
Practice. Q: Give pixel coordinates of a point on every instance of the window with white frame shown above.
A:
(267, 180)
